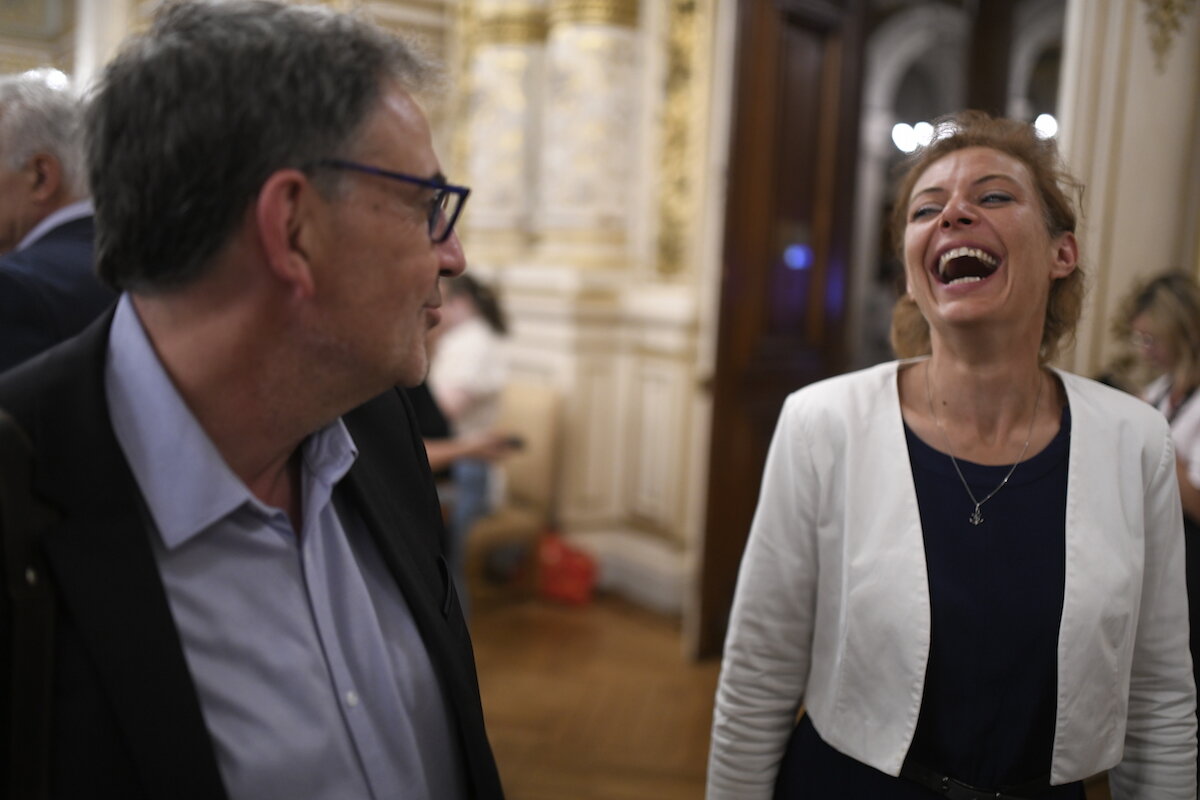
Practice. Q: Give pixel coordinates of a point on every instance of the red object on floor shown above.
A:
(566, 574)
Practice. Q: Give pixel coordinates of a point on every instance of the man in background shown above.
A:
(252, 600)
(48, 290)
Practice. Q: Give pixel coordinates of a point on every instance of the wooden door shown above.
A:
(786, 257)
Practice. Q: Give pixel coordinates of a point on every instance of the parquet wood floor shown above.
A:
(597, 703)
(592, 703)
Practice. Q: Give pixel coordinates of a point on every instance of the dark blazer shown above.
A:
(49, 292)
(126, 718)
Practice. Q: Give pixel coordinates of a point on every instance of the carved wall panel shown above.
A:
(660, 448)
(504, 113)
(683, 135)
(591, 74)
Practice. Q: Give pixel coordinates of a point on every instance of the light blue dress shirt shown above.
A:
(312, 677)
(68, 213)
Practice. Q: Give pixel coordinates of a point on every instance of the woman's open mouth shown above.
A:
(965, 265)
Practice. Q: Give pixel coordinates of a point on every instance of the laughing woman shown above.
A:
(966, 566)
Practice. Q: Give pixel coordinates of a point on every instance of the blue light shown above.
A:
(798, 256)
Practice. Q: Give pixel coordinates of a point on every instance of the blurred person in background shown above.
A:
(443, 448)
(965, 566)
(466, 378)
(1162, 320)
(48, 288)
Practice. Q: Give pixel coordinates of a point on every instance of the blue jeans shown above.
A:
(470, 478)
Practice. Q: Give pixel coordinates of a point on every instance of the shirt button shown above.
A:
(352, 698)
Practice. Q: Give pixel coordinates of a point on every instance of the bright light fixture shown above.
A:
(904, 137)
(1046, 126)
(924, 133)
(56, 78)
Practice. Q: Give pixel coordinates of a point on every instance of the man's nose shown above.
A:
(453, 260)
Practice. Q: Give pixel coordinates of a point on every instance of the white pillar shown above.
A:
(1130, 103)
(506, 75)
(589, 134)
(100, 25)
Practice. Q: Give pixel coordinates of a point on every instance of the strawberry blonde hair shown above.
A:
(1054, 185)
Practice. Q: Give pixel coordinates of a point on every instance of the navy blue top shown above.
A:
(996, 594)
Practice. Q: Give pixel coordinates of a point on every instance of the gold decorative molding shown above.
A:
(465, 35)
(1165, 18)
(677, 196)
(141, 15)
(622, 13)
(36, 33)
(41, 20)
(13, 62)
(512, 26)
(585, 237)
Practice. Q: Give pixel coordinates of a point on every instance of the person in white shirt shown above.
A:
(466, 377)
(966, 567)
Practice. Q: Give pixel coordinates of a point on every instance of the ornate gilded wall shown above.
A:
(582, 126)
(587, 128)
(36, 33)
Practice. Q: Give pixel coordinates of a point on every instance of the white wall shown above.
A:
(1130, 130)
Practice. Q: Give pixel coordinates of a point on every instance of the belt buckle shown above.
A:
(951, 788)
(957, 790)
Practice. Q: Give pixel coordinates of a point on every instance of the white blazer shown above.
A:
(832, 603)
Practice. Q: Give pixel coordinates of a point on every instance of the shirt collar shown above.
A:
(68, 213)
(186, 483)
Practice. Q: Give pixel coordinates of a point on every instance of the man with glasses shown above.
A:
(250, 598)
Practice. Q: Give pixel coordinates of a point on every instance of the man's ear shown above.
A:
(46, 176)
(283, 212)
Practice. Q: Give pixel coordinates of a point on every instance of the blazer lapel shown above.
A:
(393, 490)
(108, 580)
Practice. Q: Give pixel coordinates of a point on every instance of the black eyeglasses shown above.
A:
(445, 207)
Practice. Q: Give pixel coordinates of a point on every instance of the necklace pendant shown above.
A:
(976, 517)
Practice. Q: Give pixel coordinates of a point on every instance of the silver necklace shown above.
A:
(976, 517)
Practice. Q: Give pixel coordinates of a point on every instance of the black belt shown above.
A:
(953, 789)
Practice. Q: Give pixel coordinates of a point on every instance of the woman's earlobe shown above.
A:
(1066, 256)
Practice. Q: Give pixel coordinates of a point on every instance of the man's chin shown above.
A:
(414, 374)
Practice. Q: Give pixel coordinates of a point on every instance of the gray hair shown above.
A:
(192, 117)
(38, 116)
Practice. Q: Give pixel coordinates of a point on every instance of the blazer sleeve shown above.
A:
(25, 324)
(768, 646)
(1159, 761)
